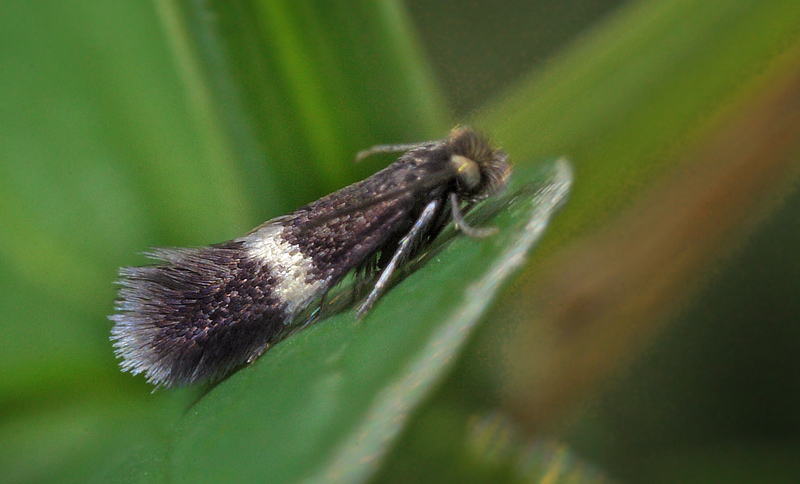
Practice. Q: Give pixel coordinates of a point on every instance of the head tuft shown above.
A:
(491, 169)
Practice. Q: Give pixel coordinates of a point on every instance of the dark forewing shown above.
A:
(339, 243)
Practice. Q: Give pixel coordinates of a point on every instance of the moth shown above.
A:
(197, 314)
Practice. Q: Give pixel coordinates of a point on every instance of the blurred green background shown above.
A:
(126, 125)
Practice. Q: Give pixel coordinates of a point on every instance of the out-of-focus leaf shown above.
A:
(306, 84)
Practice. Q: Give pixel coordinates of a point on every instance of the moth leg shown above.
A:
(387, 149)
(405, 246)
(463, 226)
(316, 312)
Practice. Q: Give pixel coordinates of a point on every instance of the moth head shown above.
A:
(480, 170)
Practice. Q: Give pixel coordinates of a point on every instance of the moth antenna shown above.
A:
(395, 148)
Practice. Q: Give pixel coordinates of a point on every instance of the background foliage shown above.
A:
(653, 333)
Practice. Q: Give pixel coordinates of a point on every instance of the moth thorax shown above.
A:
(467, 171)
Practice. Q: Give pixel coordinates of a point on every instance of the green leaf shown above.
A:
(337, 395)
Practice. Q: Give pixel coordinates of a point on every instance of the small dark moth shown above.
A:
(200, 313)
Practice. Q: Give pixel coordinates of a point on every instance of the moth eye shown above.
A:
(466, 170)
